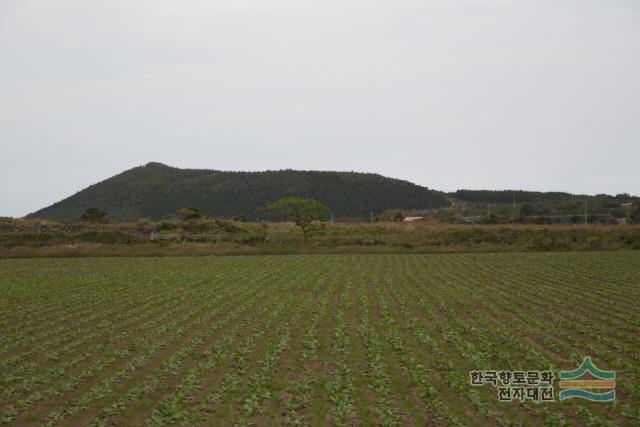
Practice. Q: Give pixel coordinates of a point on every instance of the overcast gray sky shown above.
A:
(539, 94)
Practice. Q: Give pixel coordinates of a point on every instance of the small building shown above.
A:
(471, 219)
(412, 218)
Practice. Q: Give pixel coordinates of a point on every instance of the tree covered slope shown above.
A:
(156, 191)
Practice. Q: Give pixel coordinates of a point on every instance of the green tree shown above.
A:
(94, 215)
(303, 212)
(634, 218)
(189, 213)
(527, 210)
(391, 215)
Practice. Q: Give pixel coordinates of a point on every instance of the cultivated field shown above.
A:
(320, 339)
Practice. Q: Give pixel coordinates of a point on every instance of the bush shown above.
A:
(199, 226)
(95, 215)
(109, 237)
(166, 226)
(189, 213)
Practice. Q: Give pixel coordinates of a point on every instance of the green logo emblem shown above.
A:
(571, 384)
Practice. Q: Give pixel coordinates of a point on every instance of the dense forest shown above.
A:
(158, 191)
(507, 196)
(538, 207)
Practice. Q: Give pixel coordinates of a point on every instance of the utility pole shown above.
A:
(371, 215)
(331, 217)
(489, 207)
(513, 216)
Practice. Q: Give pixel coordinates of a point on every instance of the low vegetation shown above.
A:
(209, 236)
(381, 339)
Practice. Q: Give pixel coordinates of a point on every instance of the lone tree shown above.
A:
(94, 215)
(303, 212)
(189, 213)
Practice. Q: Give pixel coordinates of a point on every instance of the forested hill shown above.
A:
(156, 191)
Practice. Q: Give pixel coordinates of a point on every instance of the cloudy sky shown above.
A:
(539, 94)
